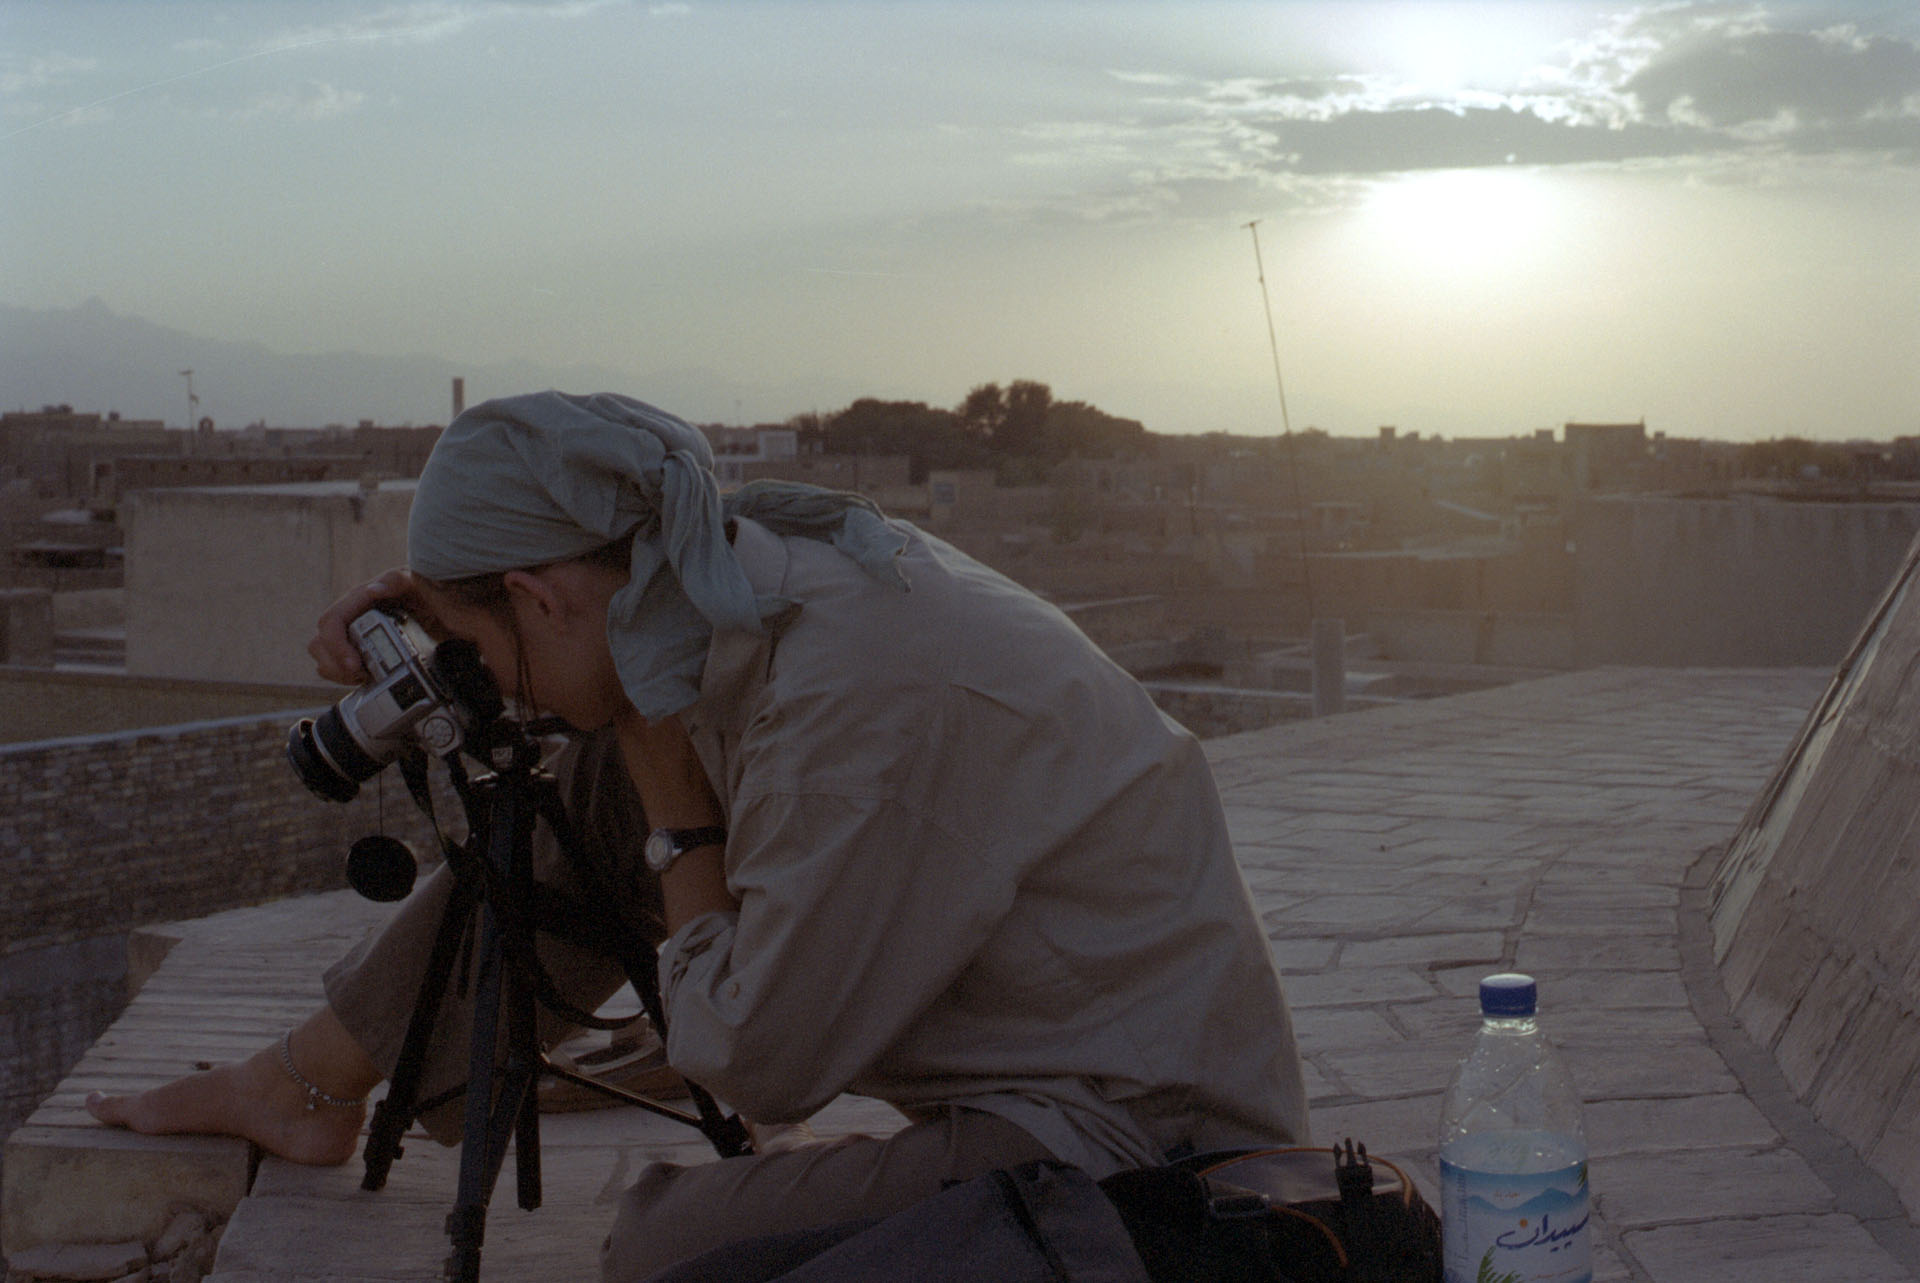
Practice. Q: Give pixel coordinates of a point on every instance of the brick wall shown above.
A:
(45, 703)
(100, 834)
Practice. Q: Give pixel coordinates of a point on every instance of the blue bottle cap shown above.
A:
(1508, 996)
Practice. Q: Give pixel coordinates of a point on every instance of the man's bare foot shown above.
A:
(257, 1100)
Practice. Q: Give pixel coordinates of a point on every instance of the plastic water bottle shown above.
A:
(1513, 1153)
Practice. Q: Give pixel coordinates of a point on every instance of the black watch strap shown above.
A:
(664, 845)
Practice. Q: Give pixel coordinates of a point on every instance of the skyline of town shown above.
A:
(285, 432)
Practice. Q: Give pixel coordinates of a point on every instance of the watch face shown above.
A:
(664, 846)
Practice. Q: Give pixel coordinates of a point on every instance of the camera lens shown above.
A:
(325, 756)
(314, 770)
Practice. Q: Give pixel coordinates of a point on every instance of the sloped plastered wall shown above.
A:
(1816, 903)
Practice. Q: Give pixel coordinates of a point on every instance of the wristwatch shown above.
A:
(664, 846)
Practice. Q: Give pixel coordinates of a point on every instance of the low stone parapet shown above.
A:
(76, 1192)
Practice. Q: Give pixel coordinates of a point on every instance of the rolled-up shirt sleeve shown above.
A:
(691, 943)
(855, 914)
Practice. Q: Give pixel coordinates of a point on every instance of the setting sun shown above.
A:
(1450, 220)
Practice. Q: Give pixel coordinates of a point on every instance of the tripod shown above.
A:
(494, 886)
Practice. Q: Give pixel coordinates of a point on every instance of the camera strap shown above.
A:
(413, 769)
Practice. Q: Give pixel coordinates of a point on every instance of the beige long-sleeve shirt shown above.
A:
(975, 866)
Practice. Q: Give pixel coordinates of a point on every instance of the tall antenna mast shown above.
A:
(1286, 424)
(1273, 342)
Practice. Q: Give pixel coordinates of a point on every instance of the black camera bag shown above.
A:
(1292, 1215)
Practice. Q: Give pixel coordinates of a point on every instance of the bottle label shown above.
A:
(1507, 1227)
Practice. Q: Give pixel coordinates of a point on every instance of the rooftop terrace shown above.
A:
(1566, 826)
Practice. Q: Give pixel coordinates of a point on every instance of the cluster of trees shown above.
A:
(1017, 430)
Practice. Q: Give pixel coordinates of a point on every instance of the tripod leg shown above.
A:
(395, 1113)
(499, 1106)
(467, 1222)
(519, 1094)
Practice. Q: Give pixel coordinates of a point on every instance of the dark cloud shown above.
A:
(1307, 90)
(1820, 80)
(1366, 142)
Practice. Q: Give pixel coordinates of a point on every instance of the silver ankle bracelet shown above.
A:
(315, 1096)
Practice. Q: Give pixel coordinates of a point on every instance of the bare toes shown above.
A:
(108, 1109)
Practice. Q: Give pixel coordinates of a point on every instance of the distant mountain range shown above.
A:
(99, 361)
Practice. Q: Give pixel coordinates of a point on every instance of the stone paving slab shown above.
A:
(1396, 856)
(1654, 1126)
(1772, 1249)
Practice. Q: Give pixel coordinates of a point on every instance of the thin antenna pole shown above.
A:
(1273, 342)
(1286, 424)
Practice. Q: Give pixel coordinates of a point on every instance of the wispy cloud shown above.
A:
(42, 72)
(428, 21)
(424, 22)
(313, 100)
(1144, 77)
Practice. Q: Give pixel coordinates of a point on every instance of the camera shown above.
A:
(419, 694)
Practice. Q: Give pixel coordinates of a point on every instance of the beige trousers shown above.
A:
(671, 1212)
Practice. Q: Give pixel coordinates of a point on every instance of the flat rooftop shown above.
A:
(1566, 827)
(341, 489)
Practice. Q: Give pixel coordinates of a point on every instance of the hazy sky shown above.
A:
(1475, 218)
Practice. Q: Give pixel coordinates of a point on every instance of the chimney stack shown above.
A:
(459, 396)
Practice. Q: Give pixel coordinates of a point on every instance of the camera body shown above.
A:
(418, 694)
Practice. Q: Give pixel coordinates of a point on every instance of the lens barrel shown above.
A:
(326, 757)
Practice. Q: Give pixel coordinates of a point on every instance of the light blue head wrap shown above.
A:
(526, 480)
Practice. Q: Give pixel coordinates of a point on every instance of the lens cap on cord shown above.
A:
(381, 868)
